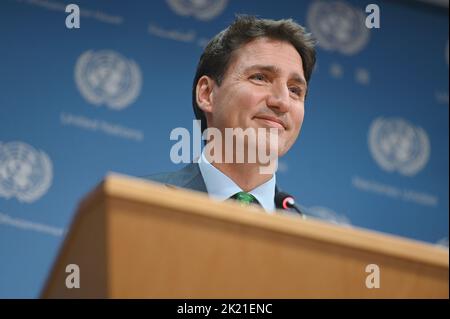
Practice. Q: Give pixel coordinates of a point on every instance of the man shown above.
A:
(251, 76)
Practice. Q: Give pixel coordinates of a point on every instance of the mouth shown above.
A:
(271, 121)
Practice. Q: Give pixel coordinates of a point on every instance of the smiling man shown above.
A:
(251, 76)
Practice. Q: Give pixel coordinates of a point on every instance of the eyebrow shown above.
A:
(273, 69)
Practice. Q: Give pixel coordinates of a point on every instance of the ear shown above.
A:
(204, 93)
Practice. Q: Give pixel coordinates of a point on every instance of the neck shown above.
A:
(247, 176)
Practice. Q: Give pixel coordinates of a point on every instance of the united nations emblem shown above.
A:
(106, 77)
(397, 145)
(338, 26)
(25, 173)
(201, 9)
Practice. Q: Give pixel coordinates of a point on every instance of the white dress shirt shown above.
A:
(221, 187)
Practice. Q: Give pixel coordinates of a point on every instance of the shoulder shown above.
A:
(187, 177)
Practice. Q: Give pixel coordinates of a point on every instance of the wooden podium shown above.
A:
(135, 239)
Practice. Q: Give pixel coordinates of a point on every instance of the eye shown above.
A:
(296, 90)
(258, 77)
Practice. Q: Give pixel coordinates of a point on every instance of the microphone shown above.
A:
(286, 201)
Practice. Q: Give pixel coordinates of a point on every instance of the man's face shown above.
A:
(263, 87)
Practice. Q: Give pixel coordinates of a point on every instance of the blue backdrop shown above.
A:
(77, 103)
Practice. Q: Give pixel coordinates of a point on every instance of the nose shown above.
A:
(278, 99)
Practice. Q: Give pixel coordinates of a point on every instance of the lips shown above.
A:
(271, 121)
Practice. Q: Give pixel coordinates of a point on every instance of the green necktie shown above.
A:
(245, 199)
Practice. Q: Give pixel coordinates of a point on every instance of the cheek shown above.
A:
(248, 98)
(246, 103)
(297, 118)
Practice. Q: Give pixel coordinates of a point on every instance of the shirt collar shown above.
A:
(221, 187)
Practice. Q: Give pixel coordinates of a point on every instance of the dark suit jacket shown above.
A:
(188, 177)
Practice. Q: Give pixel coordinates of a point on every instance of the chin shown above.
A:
(281, 152)
(283, 148)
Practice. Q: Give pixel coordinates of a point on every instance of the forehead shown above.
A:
(265, 51)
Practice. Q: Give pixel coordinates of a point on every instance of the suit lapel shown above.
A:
(190, 177)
